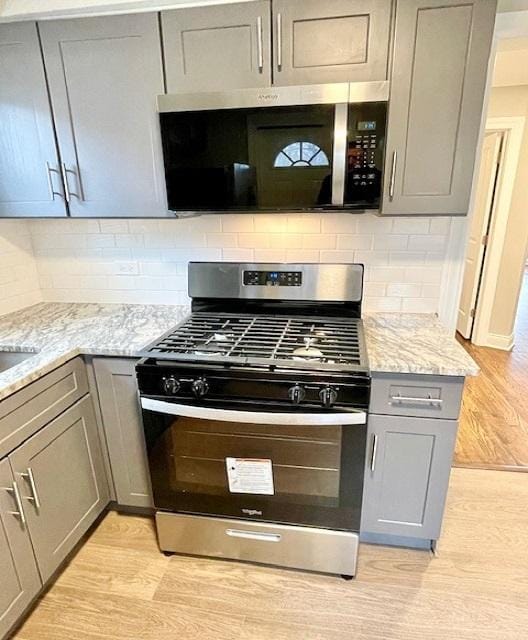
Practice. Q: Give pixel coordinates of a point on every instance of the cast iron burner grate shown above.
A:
(329, 343)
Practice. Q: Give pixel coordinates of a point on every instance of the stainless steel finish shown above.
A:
(34, 494)
(392, 181)
(374, 452)
(342, 92)
(297, 547)
(349, 417)
(321, 282)
(52, 191)
(279, 41)
(429, 400)
(254, 535)
(75, 172)
(260, 50)
(340, 152)
(67, 195)
(18, 501)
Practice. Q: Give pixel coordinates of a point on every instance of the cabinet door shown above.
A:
(217, 48)
(104, 76)
(19, 578)
(118, 398)
(62, 467)
(30, 183)
(407, 474)
(331, 41)
(441, 52)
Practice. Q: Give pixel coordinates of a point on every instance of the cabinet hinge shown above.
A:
(485, 239)
(472, 313)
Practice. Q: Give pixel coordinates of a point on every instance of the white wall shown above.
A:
(144, 261)
(19, 284)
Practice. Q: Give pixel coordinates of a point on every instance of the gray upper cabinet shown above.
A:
(118, 398)
(441, 52)
(62, 482)
(407, 475)
(30, 183)
(104, 75)
(216, 48)
(331, 41)
(19, 577)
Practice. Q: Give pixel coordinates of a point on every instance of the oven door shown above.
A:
(270, 465)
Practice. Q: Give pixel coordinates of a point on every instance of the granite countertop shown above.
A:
(414, 343)
(57, 332)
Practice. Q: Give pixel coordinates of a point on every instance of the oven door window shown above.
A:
(247, 159)
(304, 475)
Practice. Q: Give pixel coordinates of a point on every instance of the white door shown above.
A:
(479, 225)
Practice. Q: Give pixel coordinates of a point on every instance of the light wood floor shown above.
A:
(120, 587)
(493, 429)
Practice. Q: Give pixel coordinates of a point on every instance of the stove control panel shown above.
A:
(273, 278)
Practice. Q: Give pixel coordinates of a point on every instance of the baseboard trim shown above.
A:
(497, 341)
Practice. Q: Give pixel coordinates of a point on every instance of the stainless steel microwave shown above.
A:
(312, 147)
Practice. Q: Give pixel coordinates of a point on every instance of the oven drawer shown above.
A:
(305, 548)
(416, 395)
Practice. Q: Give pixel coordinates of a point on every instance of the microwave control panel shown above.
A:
(366, 143)
(273, 278)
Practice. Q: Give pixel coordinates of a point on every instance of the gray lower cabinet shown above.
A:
(104, 75)
(118, 398)
(407, 475)
(331, 41)
(30, 183)
(19, 576)
(62, 483)
(439, 67)
(217, 48)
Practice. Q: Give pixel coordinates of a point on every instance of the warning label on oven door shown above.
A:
(250, 475)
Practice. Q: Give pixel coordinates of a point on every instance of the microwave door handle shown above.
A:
(339, 160)
(255, 417)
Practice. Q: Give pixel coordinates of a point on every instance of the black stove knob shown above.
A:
(296, 393)
(170, 385)
(328, 396)
(200, 387)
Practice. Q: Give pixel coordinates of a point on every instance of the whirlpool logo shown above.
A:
(268, 96)
(252, 512)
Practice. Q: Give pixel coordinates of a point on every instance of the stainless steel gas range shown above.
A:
(255, 416)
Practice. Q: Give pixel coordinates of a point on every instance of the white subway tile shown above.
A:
(427, 243)
(411, 225)
(339, 223)
(270, 255)
(375, 289)
(430, 291)
(222, 240)
(406, 258)
(337, 255)
(390, 242)
(254, 240)
(440, 226)
(272, 223)
(129, 240)
(420, 305)
(113, 226)
(237, 255)
(382, 304)
(309, 223)
(404, 290)
(423, 274)
(370, 223)
(302, 255)
(356, 241)
(372, 257)
(235, 223)
(187, 239)
(143, 226)
(100, 240)
(286, 241)
(318, 241)
(386, 274)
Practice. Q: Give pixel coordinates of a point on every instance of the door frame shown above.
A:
(513, 130)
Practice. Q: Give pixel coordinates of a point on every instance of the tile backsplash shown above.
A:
(145, 261)
(19, 284)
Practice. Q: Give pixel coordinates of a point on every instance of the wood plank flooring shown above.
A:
(120, 587)
(493, 431)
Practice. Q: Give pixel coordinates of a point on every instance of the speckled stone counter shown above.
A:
(414, 343)
(57, 332)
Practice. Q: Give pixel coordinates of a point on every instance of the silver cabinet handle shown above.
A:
(67, 191)
(254, 535)
(34, 495)
(279, 41)
(18, 501)
(428, 400)
(52, 191)
(393, 175)
(374, 452)
(260, 50)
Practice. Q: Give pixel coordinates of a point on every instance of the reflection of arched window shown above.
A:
(301, 154)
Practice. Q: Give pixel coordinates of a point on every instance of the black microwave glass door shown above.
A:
(249, 159)
(316, 472)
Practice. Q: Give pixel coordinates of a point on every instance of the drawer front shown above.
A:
(416, 395)
(25, 412)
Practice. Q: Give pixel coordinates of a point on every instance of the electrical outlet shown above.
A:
(127, 268)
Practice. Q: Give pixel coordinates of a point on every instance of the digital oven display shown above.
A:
(367, 125)
(273, 278)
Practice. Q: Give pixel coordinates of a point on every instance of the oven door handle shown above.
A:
(254, 417)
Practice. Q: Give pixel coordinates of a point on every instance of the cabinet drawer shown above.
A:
(26, 411)
(416, 395)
